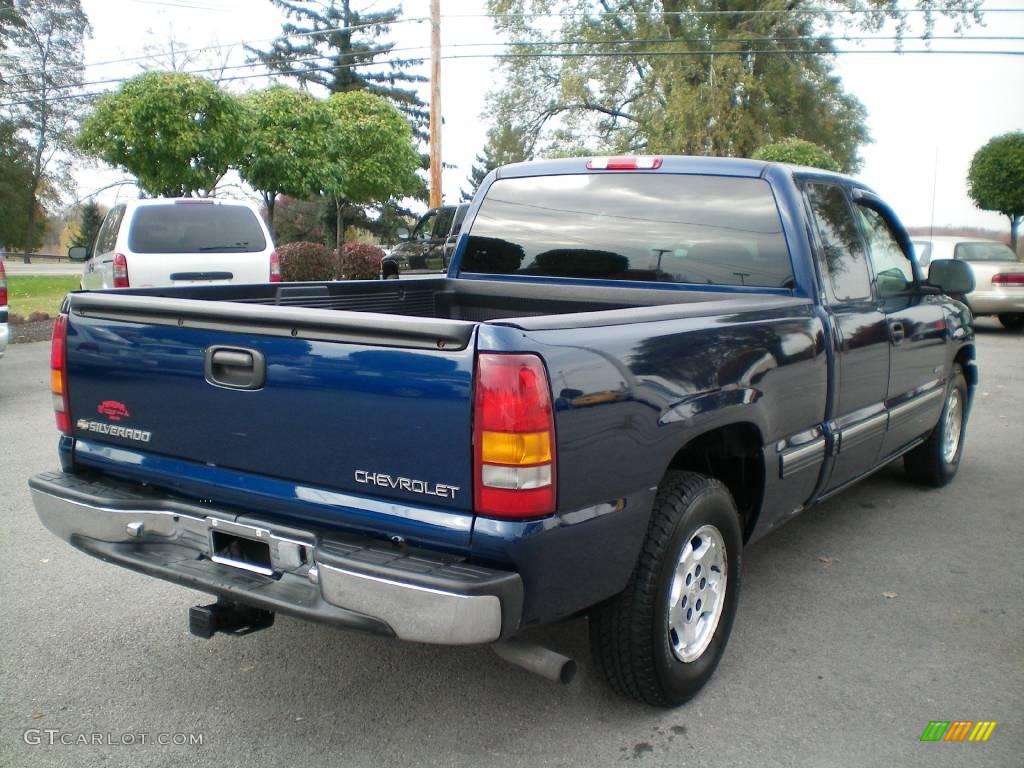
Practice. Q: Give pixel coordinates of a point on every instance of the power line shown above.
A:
(593, 54)
(556, 43)
(247, 65)
(420, 19)
(219, 46)
(738, 12)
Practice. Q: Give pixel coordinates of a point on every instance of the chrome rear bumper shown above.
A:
(317, 575)
(996, 301)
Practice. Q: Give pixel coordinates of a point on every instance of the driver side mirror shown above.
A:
(78, 253)
(402, 233)
(952, 277)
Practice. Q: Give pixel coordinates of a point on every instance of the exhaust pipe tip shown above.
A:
(549, 664)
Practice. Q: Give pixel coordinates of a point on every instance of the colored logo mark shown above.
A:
(113, 410)
(958, 730)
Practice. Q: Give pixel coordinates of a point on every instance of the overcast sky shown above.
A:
(927, 113)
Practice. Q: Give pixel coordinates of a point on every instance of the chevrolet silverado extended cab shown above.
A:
(633, 368)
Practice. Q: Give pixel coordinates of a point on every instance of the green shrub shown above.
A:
(797, 152)
(304, 262)
(360, 261)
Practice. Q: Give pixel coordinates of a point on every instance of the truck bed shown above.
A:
(464, 300)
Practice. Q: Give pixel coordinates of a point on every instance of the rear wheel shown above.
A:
(937, 459)
(1012, 321)
(661, 638)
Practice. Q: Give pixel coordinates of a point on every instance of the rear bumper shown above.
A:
(317, 575)
(995, 301)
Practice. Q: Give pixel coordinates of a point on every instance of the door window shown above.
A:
(844, 256)
(894, 271)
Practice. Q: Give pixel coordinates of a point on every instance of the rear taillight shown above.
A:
(1008, 278)
(3, 286)
(275, 268)
(513, 437)
(120, 271)
(59, 374)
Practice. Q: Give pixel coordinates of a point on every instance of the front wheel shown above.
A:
(1012, 321)
(937, 459)
(661, 638)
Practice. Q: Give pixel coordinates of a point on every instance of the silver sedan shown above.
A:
(998, 274)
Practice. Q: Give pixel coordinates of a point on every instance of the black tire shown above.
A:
(391, 274)
(935, 461)
(1012, 322)
(631, 637)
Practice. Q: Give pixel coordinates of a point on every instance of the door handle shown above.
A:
(896, 332)
(235, 368)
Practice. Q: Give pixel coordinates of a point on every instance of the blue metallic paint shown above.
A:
(294, 502)
(326, 392)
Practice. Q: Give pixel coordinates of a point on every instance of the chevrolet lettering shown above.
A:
(406, 484)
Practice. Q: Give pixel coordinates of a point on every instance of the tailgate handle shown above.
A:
(235, 368)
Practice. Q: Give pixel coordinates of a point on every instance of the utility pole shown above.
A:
(435, 103)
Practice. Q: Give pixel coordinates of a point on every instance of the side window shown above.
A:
(443, 223)
(107, 237)
(845, 260)
(425, 227)
(894, 272)
(460, 216)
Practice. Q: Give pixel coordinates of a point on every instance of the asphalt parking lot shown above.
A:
(859, 622)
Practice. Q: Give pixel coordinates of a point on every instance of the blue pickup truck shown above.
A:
(633, 368)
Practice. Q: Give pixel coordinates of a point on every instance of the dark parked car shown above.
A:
(430, 246)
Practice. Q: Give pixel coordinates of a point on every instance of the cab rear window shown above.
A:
(195, 228)
(705, 230)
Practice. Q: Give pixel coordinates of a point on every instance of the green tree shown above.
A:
(505, 144)
(299, 220)
(15, 178)
(41, 59)
(330, 45)
(995, 180)
(286, 139)
(698, 77)
(797, 152)
(370, 152)
(89, 221)
(176, 133)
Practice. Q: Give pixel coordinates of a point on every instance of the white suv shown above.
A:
(178, 241)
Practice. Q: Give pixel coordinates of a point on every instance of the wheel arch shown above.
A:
(733, 454)
(966, 358)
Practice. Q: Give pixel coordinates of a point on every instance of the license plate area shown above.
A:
(244, 547)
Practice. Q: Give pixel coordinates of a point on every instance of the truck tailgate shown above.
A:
(372, 405)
